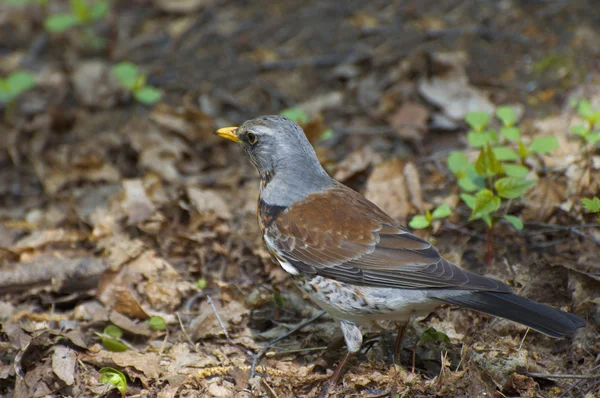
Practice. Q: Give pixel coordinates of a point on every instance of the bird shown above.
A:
(352, 259)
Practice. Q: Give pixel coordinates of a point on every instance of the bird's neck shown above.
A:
(283, 187)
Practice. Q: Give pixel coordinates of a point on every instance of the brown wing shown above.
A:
(339, 234)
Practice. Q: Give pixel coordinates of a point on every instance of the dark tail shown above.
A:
(547, 320)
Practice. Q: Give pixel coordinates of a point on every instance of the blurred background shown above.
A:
(117, 202)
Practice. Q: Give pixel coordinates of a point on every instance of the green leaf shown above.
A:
(478, 121)
(278, 298)
(20, 81)
(296, 115)
(418, 222)
(516, 222)
(113, 345)
(585, 109)
(457, 161)
(433, 335)
(469, 200)
(592, 205)
(580, 130)
(523, 152)
(113, 331)
(488, 220)
(504, 153)
(515, 170)
(593, 138)
(58, 23)
(80, 10)
(544, 144)
(99, 10)
(512, 187)
(201, 283)
(485, 203)
(479, 139)
(441, 212)
(126, 73)
(467, 184)
(147, 95)
(487, 164)
(507, 115)
(327, 135)
(511, 133)
(114, 378)
(157, 323)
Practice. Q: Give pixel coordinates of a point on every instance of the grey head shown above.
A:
(287, 163)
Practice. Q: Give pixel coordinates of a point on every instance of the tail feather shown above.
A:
(545, 319)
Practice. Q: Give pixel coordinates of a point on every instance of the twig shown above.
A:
(257, 357)
(212, 304)
(269, 389)
(523, 339)
(563, 376)
(187, 336)
(585, 236)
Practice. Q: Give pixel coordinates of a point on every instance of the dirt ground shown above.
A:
(114, 213)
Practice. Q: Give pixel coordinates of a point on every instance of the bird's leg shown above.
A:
(353, 339)
(398, 345)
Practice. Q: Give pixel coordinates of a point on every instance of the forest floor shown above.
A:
(114, 213)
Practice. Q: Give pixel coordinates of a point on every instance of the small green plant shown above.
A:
(589, 130)
(13, 86)
(157, 323)
(424, 221)
(498, 175)
(114, 378)
(81, 14)
(430, 334)
(131, 78)
(201, 283)
(111, 339)
(592, 206)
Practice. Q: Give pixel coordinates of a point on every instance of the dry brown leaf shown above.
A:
(409, 121)
(543, 199)
(451, 90)
(207, 324)
(394, 186)
(159, 151)
(136, 204)
(357, 162)
(209, 201)
(63, 364)
(95, 84)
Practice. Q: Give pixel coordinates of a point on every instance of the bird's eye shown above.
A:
(252, 138)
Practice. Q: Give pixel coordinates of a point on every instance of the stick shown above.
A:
(262, 352)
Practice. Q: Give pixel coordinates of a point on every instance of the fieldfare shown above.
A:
(350, 257)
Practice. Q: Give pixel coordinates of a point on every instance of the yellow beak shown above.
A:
(228, 133)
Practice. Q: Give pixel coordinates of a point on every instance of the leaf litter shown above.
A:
(112, 213)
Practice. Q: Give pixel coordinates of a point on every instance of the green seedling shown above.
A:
(589, 130)
(201, 283)
(111, 339)
(12, 87)
(157, 323)
(132, 79)
(115, 379)
(424, 221)
(498, 175)
(81, 14)
(592, 206)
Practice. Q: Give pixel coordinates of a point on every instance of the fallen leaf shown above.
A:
(63, 364)
(136, 204)
(409, 121)
(209, 201)
(451, 90)
(357, 162)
